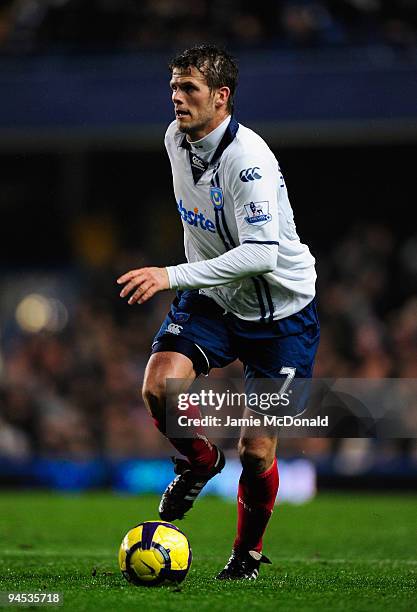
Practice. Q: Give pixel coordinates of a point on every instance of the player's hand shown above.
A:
(144, 283)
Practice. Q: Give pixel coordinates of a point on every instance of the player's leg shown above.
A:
(203, 459)
(200, 453)
(258, 488)
(192, 339)
(269, 352)
(161, 366)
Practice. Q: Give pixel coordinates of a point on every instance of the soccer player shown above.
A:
(247, 291)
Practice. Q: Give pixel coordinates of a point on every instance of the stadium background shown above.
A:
(85, 194)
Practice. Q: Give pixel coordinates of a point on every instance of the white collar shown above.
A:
(211, 141)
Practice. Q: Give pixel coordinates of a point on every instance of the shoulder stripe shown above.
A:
(219, 229)
(229, 243)
(228, 137)
(226, 229)
(215, 183)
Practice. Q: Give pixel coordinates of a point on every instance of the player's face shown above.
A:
(198, 110)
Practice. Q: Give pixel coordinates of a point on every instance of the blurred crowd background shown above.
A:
(71, 25)
(72, 354)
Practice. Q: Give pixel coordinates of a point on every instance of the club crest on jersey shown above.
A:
(257, 213)
(216, 197)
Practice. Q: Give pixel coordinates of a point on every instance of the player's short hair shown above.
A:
(217, 66)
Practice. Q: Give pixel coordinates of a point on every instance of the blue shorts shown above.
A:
(197, 327)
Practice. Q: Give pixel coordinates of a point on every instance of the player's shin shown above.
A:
(201, 454)
(256, 499)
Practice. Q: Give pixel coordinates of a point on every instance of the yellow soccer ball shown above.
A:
(154, 552)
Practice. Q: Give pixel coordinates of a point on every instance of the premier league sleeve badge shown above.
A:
(257, 213)
(216, 197)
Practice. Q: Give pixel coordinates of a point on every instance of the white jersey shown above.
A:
(240, 239)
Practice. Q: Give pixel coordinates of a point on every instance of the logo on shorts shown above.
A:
(181, 317)
(258, 213)
(174, 328)
(250, 174)
(216, 197)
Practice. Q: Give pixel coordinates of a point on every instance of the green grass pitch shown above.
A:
(338, 552)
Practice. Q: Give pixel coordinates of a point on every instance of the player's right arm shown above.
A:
(243, 261)
(257, 252)
(144, 283)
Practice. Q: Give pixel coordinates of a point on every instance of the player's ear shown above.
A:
(222, 96)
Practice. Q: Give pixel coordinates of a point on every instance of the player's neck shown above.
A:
(211, 137)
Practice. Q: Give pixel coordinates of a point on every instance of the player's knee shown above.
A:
(254, 458)
(154, 396)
